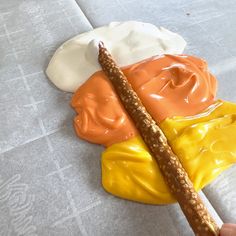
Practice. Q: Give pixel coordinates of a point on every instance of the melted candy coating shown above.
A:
(167, 85)
(129, 41)
(173, 85)
(101, 117)
(175, 90)
(129, 171)
(206, 139)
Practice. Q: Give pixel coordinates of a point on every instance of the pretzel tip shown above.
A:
(101, 45)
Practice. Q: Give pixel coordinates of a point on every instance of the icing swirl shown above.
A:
(130, 41)
(204, 140)
(179, 92)
(101, 117)
(168, 86)
(173, 85)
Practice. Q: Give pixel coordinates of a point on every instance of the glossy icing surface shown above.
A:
(172, 85)
(129, 171)
(204, 140)
(167, 85)
(179, 92)
(130, 41)
(101, 117)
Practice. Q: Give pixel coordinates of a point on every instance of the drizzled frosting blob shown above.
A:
(101, 117)
(204, 140)
(129, 42)
(168, 86)
(179, 92)
(171, 85)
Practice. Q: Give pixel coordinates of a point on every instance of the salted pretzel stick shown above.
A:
(171, 168)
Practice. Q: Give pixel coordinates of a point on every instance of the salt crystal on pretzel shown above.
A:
(173, 172)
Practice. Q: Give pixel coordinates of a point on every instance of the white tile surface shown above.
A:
(51, 180)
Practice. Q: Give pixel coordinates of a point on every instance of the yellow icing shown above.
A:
(129, 171)
(204, 143)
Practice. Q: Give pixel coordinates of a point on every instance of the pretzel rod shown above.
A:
(171, 168)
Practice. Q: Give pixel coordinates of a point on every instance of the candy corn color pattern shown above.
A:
(178, 91)
(199, 128)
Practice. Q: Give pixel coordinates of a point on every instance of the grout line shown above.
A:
(76, 213)
(91, 206)
(35, 108)
(59, 170)
(7, 33)
(13, 53)
(33, 104)
(45, 134)
(78, 218)
(23, 77)
(32, 140)
(34, 73)
(28, 75)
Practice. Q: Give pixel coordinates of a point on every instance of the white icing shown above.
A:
(129, 42)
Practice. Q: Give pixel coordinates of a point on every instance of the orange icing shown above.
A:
(168, 86)
(101, 117)
(173, 85)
